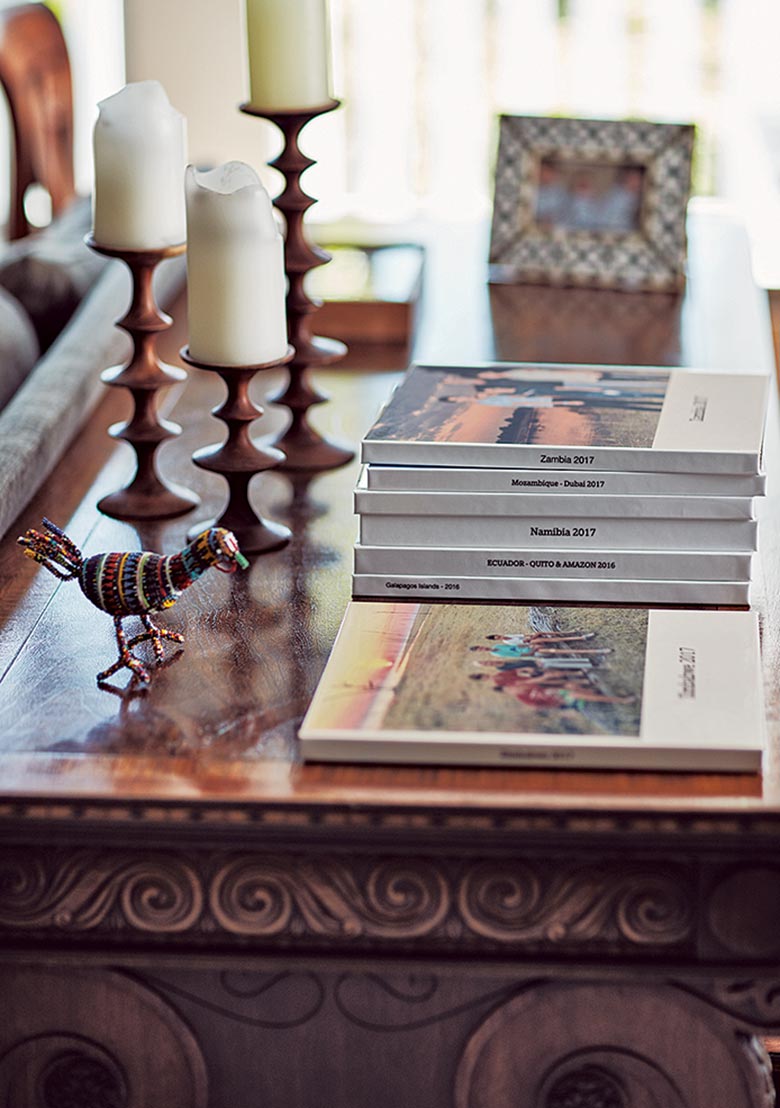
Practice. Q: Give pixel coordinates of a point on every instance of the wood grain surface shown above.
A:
(216, 732)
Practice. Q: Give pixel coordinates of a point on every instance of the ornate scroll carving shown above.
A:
(445, 902)
(516, 901)
(253, 898)
(85, 890)
(395, 898)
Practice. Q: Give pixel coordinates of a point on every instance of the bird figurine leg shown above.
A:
(126, 659)
(155, 635)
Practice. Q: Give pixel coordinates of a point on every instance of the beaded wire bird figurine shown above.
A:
(134, 583)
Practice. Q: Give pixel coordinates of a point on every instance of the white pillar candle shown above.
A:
(235, 268)
(140, 154)
(289, 53)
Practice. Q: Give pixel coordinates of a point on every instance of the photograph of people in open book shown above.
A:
(527, 670)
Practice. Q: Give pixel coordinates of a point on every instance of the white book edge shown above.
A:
(596, 459)
(573, 506)
(536, 533)
(596, 564)
(408, 478)
(468, 749)
(430, 587)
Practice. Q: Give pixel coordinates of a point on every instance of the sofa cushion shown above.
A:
(50, 271)
(19, 349)
(47, 411)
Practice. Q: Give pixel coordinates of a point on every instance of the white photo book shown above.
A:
(486, 504)
(573, 417)
(545, 590)
(538, 532)
(621, 565)
(550, 686)
(425, 479)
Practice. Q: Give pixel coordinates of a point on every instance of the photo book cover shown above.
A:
(573, 416)
(539, 682)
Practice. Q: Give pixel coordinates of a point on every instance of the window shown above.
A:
(423, 80)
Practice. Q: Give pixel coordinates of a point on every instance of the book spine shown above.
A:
(549, 590)
(495, 752)
(539, 505)
(595, 565)
(553, 459)
(401, 478)
(566, 534)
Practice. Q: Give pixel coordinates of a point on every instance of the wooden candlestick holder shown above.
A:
(238, 459)
(305, 449)
(147, 496)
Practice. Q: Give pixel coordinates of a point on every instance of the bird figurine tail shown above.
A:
(52, 548)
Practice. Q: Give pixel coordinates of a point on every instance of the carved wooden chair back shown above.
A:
(35, 75)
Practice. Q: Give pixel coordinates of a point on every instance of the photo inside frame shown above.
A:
(595, 197)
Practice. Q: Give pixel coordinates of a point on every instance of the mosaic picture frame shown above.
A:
(592, 203)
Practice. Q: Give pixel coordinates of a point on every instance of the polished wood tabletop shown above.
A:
(215, 733)
(190, 915)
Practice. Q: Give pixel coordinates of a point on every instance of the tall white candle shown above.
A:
(235, 268)
(289, 53)
(140, 155)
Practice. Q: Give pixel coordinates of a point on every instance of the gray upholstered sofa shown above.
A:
(58, 306)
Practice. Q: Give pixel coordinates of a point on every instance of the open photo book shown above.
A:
(488, 684)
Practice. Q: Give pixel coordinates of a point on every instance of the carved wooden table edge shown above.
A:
(552, 900)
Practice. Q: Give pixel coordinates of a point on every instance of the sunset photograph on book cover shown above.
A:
(532, 405)
(490, 668)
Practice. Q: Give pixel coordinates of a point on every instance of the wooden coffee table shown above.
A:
(190, 916)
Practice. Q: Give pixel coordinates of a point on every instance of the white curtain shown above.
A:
(423, 80)
(95, 37)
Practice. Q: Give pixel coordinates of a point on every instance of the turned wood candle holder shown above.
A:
(147, 496)
(238, 459)
(305, 449)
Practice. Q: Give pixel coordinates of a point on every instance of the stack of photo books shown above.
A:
(565, 483)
